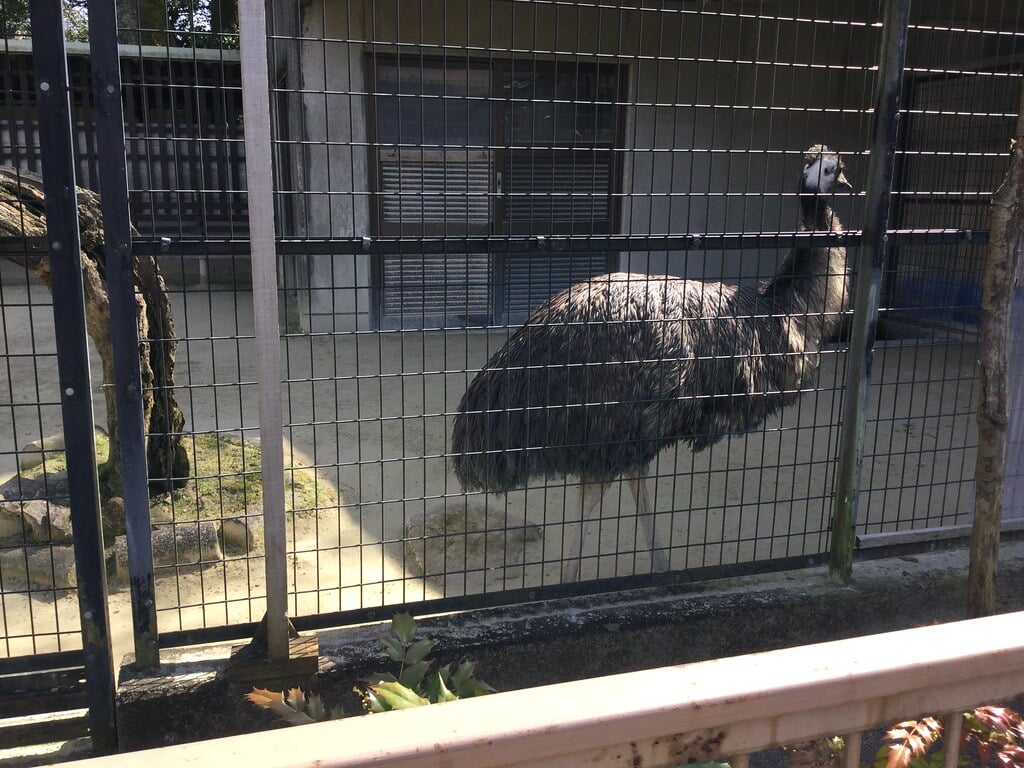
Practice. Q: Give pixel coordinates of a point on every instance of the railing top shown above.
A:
(658, 717)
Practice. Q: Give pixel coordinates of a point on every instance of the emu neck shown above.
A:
(812, 288)
(816, 215)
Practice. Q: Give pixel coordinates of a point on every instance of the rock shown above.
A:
(32, 454)
(38, 567)
(460, 535)
(182, 544)
(11, 524)
(52, 485)
(161, 513)
(113, 516)
(36, 520)
(242, 534)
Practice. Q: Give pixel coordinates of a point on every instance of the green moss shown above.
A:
(225, 480)
(55, 462)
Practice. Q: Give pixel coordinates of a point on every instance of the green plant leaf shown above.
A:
(412, 675)
(443, 694)
(464, 684)
(404, 627)
(315, 707)
(394, 648)
(379, 677)
(397, 696)
(474, 687)
(372, 703)
(418, 651)
(462, 673)
(432, 688)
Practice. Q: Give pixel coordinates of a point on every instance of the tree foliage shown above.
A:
(175, 23)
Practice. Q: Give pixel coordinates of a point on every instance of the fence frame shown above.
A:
(873, 256)
(58, 159)
(112, 173)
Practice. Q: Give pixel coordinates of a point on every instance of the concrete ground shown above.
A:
(372, 413)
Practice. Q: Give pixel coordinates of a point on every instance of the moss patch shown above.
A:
(225, 480)
(56, 462)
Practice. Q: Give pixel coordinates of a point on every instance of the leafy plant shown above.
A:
(414, 683)
(819, 753)
(909, 743)
(996, 734)
(294, 707)
(993, 736)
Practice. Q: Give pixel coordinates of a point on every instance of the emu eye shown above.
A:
(829, 172)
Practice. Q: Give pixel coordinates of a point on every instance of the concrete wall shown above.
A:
(335, 182)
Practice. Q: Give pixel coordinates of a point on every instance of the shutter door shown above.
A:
(559, 190)
(435, 192)
(554, 191)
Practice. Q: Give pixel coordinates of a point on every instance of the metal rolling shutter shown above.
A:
(554, 191)
(446, 190)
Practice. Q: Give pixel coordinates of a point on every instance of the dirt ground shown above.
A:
(371, 412)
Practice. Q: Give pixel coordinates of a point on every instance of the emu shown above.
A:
(609, 372)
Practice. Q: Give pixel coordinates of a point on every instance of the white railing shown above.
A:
(660, 717)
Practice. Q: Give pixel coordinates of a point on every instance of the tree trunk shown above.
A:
(1001, 269)
(21, 215)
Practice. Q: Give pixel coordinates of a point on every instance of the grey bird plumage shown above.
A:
(609, 372)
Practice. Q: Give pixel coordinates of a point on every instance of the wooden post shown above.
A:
(1006, 227)
(275, 651)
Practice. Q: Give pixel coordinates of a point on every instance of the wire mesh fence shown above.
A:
(441, 170)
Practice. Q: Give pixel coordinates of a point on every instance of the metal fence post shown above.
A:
(869, 281)
(58, 167)
(124, 331)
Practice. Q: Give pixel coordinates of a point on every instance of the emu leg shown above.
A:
(645, 516)
(591, 492)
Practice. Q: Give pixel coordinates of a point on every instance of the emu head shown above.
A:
(823, 171)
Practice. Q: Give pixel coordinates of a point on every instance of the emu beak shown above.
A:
(844, 182)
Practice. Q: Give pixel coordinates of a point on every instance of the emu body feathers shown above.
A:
(610, 371)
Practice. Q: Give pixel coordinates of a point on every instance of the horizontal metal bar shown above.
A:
(922, 535)
(553, 243)
(42, 661)
(23, 245)
(313, 622)
(494, 599)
